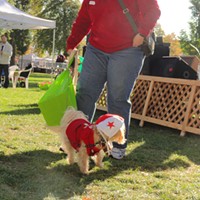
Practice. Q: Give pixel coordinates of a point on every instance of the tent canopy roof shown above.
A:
(13, 18)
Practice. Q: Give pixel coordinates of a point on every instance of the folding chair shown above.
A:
(24, 75)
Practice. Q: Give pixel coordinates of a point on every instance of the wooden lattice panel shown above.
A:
(194, 117)
(102, 102)
(168, 102)
(139, 95)
(165, 101)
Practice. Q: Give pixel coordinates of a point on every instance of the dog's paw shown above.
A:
(100, 165)
(70, 161)
(85, 172)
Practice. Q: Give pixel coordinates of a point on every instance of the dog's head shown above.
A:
(112, 127)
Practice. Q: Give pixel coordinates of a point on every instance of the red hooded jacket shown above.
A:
(109, 28)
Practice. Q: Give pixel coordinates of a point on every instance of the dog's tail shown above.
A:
(70, 115)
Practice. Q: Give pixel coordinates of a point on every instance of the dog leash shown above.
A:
(107, 146)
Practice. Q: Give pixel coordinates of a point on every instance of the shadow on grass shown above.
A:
(26, 105)
(27, 111)
(40, 174)
(162, 148)
(29, 175)
(33, 85)
(159, 147)
(24, 109)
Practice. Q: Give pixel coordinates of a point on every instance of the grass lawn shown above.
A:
(159, 163)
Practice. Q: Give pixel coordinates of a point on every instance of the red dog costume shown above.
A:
(81, 130)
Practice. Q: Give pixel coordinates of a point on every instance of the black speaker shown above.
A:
(152, 63)
(176, 67)
(161, 64)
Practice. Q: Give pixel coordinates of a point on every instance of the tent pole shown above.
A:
(53, 51)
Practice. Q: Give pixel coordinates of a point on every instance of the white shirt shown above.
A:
(7, 53)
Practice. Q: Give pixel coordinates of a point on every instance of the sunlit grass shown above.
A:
(159, 163)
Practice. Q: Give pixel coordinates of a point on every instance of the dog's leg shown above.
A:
(99, 159)
(69, 150)
(71, 156)
(83, 160)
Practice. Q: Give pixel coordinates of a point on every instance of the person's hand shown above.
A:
(1, 52)
(138, 40)
(69, 51)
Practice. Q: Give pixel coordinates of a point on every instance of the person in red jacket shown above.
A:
(113, 54)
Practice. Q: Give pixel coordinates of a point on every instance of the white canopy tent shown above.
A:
(13, 18)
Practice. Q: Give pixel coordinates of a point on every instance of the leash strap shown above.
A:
(107, 146)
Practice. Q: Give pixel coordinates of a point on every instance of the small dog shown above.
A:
(79, 136)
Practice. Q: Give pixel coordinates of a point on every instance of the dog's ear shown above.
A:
(96, 135)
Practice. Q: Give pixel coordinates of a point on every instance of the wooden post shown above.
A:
(189, 106)
(147, 103)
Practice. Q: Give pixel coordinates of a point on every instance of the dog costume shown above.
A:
(81, 130)
(109, 124)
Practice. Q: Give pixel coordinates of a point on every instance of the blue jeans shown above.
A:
(119, 70)
(4, 68)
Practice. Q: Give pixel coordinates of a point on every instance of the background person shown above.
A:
(5, 56)
(112, 56)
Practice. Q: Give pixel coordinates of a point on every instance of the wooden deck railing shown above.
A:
(169, 102)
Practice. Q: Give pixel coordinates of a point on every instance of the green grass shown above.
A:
(36, 78)
(159, 163)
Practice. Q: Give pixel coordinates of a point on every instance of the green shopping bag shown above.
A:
(57, 98)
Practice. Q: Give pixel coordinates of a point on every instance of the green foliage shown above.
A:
(159, 31)
(196, 18)
(190, 43)
(175, 49)
(160, 165)
(20, 39)
(185, 43)
(64, 12)
(23, 5)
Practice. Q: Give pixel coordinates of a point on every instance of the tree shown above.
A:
(195, 24)
(64, 12)
(159, 31)
(175, 49)
(190, 43)
(20, 39)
